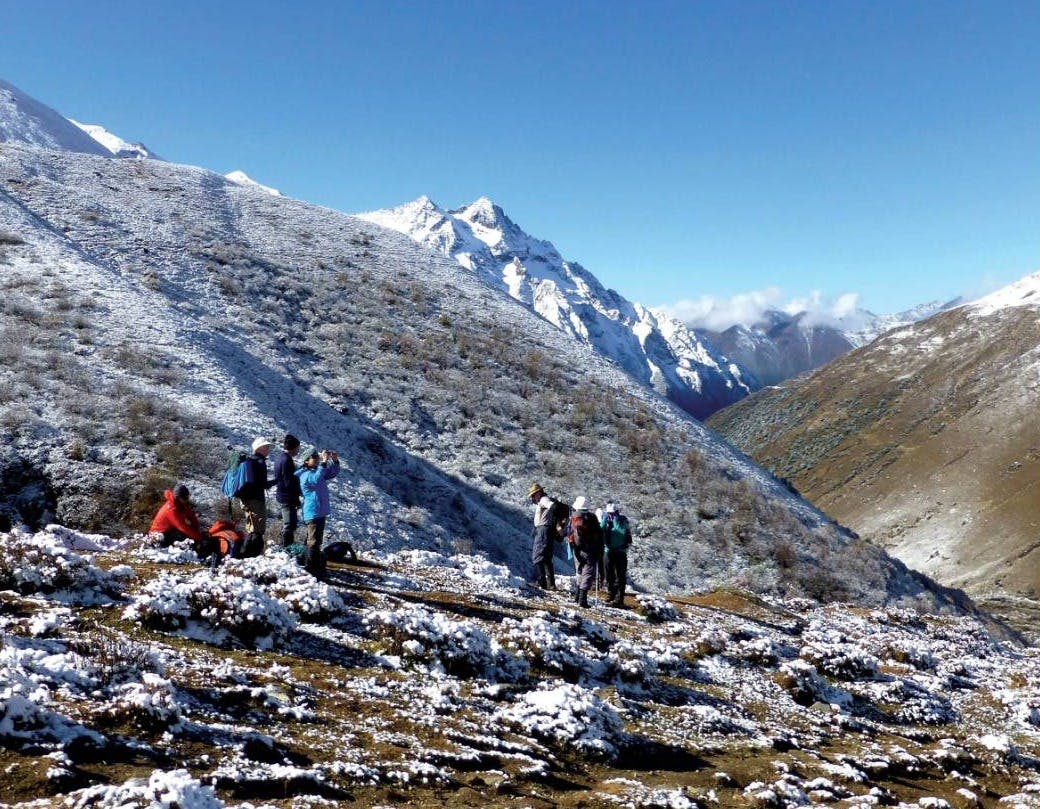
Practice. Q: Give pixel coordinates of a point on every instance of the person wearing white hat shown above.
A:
(253, 497)
(586, 539)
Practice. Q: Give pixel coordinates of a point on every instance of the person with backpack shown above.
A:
(176, 518)
(549, 518)
(314, 476)
(287, 488)
(617, 537)
(586, 540)
(253, 496)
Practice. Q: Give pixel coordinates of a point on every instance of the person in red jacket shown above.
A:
(176, 519)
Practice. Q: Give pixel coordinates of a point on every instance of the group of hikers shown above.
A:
(597, 541)
(299, 491)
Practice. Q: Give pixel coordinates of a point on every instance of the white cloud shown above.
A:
(749, 308)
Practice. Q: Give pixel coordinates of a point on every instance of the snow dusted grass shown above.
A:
(443, 680)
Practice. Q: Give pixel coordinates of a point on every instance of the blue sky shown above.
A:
(676, 149)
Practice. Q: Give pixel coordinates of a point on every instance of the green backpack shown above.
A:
(616, 530)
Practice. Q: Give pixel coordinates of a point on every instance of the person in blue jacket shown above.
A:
(314, 476)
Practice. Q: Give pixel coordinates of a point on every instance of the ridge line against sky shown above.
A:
(680, 151)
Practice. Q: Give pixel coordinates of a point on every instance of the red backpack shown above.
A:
(227, 536)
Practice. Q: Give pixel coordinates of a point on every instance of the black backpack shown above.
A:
(559, 513)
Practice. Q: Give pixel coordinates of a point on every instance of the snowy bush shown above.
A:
(804, 682)
(452, 647)
(656, 609)
(546, 645)
(845, 661)
(162, 789)
(42, 563)
(760, 651)
(150, 705)
(568, 715)
(229, 606)
(284, 579)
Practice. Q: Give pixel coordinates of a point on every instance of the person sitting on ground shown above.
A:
(176, 518)
(318, 469)
(617, 537)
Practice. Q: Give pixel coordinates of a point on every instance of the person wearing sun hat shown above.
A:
(253, 497)
(546, 530)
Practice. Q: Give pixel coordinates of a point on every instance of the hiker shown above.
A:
(617, 537)
(252, 495)
(314, 476)
(549, 518)
(287, 488)
(586, 539)
(176, 518)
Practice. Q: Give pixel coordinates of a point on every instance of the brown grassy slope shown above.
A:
(925, 441)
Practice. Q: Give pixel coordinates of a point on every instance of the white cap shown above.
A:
(261, 442)
(579, 504)
(612, 508)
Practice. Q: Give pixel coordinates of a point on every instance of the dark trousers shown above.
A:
(290, 521)
(313, 558)
(542, 558)
(617, 571)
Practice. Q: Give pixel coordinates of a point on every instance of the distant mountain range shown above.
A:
(656, 350)
(780, 345)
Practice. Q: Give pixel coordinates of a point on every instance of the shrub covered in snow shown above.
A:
(166, 789)
(150, 704)
(568, 715)
(415, 633)
(42, 563)
(804, 682)
(284, 579)
(656, 609)
(544, 642)
(845, 661)
(227, 606)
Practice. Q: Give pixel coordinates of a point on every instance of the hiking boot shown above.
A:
(583, 598)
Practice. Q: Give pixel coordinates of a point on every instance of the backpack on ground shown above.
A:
(227, 539)
(340, 551)
(616, 531)
(559, 513)
(238, 474)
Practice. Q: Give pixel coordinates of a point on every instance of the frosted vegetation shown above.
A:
(151, 314)
(443, 680)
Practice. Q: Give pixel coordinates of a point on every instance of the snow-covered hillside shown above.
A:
(25, 120)
(656, 350)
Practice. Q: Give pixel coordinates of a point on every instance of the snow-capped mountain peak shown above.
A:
(115, 144)
(656, 350)
(241, 178)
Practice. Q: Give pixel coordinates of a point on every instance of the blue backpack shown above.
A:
(238, 474)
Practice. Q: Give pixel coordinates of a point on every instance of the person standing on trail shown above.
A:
(176, 518)
(314, 476)
(617, 537)
(549, 516)
(253, 496)
(586, 539)
(287, 488)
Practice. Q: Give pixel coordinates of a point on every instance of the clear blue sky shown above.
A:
(676, 149)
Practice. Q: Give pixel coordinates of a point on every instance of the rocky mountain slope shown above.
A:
(154, 313)
(781, 345)
(131, 677)
(924, 441)
(656, 350)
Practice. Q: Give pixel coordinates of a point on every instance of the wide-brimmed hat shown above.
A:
(535, 488)
(309, 452)
(579, 503)
(260, 443)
